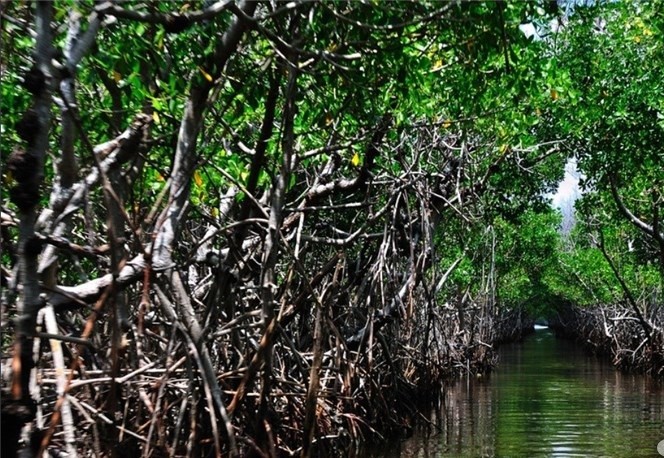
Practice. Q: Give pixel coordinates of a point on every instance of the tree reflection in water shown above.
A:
(546, 398)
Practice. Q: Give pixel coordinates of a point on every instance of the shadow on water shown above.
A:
(546, 398)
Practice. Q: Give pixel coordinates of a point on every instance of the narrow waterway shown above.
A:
(547, 398)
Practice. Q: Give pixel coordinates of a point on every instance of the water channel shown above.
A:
(547, 398)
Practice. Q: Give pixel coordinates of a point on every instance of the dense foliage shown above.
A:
(610, 112)
(613, 124)
(265, 227)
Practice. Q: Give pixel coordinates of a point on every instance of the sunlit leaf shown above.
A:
(198, 179)
(206, 75)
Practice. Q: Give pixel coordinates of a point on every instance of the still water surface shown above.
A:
(547, 398)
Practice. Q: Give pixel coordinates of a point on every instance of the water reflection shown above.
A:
(547, 398)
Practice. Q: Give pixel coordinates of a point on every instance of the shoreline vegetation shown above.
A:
(614, 332)
(270, 228)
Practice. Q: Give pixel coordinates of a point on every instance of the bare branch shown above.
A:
(185, 152)
(172, 22)
(631, 217)
(88, 292)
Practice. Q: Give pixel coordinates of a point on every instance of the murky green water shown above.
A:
(547, 398)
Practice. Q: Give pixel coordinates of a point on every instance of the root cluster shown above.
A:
(615, 331)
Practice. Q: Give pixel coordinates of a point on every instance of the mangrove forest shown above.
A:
(280, 228)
